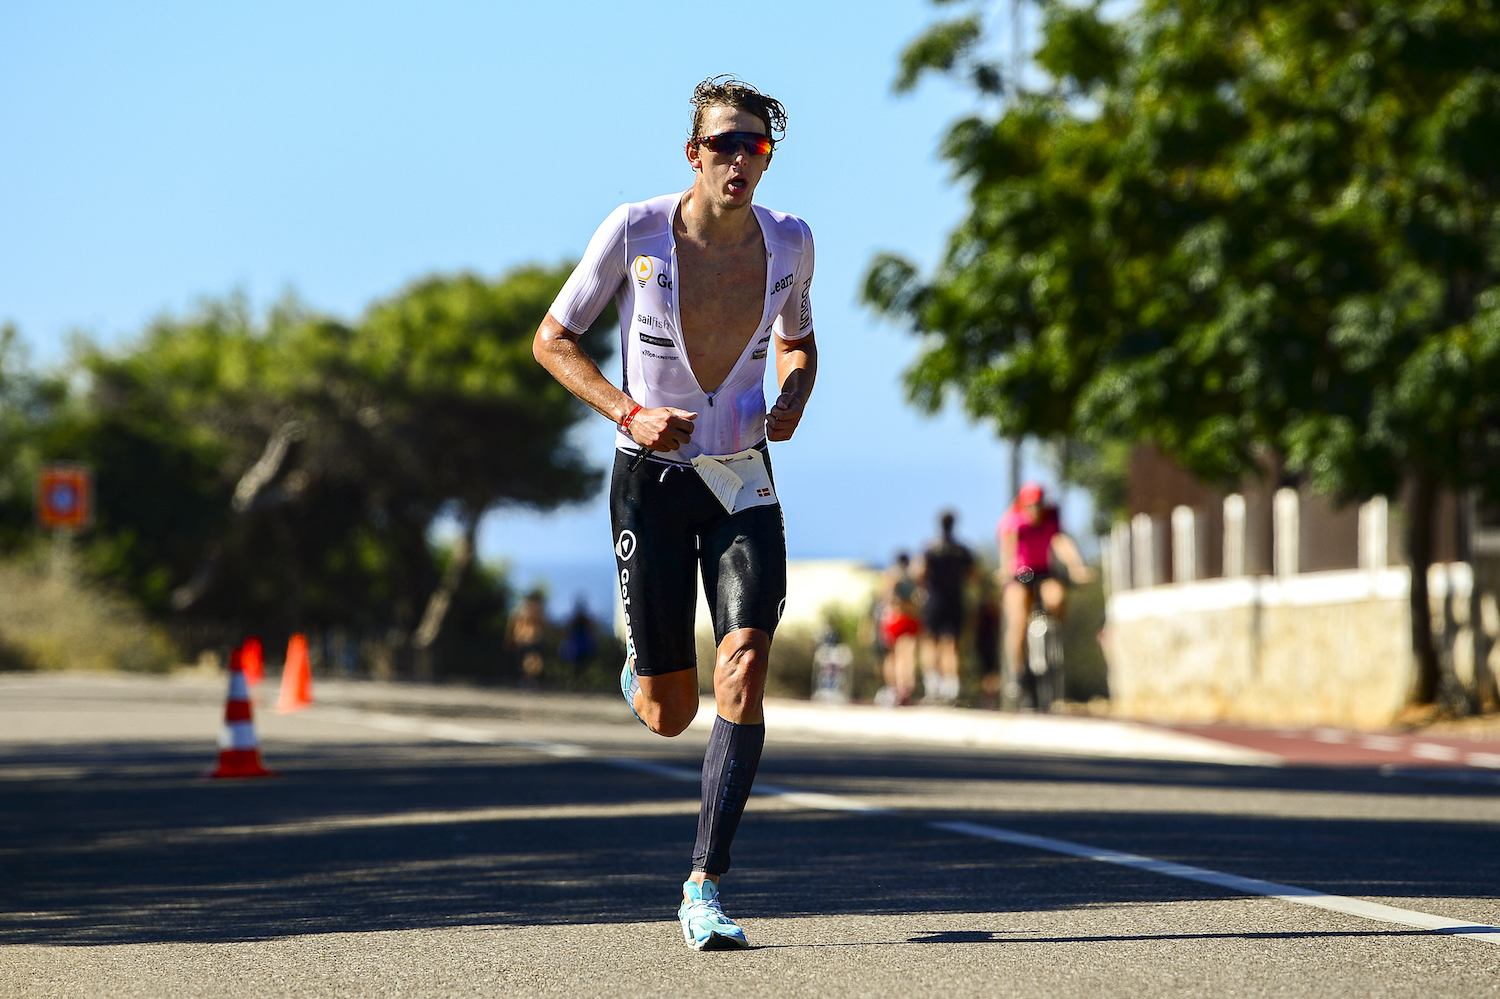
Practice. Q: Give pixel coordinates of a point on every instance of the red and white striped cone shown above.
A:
(239, 751)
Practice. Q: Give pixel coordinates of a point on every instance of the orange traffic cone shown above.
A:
(296, 677)
(239, 752)
(252, 657)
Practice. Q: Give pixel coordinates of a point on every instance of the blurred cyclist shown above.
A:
(1030, 534)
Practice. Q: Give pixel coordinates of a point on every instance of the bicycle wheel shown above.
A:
(1054, 652)
(1037, 659)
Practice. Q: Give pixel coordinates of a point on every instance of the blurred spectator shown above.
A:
(579, 645)
(832, 673)
(525, 636)
(946, 568)
(899, 628)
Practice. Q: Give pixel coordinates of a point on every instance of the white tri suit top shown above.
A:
(633, 259)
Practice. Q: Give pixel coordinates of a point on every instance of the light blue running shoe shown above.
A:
(704, 925)
(630, 685)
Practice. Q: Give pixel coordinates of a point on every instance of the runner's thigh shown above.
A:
(655, 556)
(744, 570)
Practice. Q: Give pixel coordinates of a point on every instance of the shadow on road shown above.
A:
(117, 844)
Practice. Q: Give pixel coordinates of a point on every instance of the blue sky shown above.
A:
(155, 153)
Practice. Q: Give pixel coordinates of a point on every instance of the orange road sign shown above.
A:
(65, 496)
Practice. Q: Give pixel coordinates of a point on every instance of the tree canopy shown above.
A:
(1231, 228)
(287, 473)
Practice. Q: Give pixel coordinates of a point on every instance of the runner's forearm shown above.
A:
(797, 366)
(556, 349)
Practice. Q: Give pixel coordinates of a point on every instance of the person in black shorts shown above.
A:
(946, 568)
(709, 286)
(672, 527)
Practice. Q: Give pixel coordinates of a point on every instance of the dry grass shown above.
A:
(1486, 726)
(49, 620)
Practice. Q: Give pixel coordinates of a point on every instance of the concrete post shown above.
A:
(1143, 569)
(1374, 528)
(1185, 546)
(1286, 532)
(1117, 562)
(1234, 536)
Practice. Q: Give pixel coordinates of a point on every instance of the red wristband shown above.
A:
(625, 423)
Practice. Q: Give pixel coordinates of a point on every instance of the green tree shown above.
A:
(290, 472)
(27, 402)
(441, 378)
(1233, 229)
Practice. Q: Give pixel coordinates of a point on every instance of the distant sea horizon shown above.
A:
(566, 581)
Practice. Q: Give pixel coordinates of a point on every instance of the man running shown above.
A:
(708, 285)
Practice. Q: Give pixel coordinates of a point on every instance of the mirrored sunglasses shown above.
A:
(728, 143)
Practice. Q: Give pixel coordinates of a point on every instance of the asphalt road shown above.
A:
(437, 842)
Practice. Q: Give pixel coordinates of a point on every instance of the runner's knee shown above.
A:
(740, 673)
(669, 702)
(744, 653)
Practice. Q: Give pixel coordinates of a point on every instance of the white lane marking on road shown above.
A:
(1250, 886)
(805, 799)
(569, 751)
(824, 802)
(658, 769)
(1490, 760)
(560, 750)
(1380, 743)
(1434, 751)
(412, 726)
(460, 733)
(502, 813)
(1330, 735)
(451, 732)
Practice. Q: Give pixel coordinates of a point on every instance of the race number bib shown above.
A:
(738, 481)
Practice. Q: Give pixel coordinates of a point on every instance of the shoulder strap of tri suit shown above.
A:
(650, 219)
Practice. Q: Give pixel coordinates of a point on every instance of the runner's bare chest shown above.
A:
(721, 292)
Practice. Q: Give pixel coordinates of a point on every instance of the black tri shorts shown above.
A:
(667, 524)
(944, 619)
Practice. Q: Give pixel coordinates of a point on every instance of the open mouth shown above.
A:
(738, 185)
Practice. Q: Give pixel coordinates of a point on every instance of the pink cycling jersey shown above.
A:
(1033, 541)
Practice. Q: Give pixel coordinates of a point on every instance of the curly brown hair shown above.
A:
(728, 90)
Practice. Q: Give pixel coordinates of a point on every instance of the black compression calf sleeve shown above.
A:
(728, 771)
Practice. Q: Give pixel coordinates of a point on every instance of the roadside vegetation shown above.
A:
(284, 473)
(52, 620)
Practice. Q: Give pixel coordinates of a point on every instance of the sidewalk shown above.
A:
(1116, 738)
(1330, 747)
(1030, 733)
